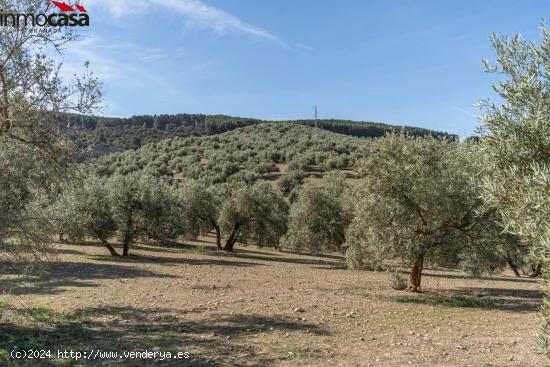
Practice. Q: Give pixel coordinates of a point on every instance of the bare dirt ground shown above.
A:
(262, 307)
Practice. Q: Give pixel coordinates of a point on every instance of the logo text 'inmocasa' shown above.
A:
(56, 14)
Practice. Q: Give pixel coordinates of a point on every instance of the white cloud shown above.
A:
(195, 14)
(466, 112)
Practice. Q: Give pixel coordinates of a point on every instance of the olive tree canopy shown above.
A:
(515, 137)
(32, 143)
(417, 202)
(320, 216)
(32, 88)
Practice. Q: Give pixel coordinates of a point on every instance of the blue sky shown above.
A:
(403, 62)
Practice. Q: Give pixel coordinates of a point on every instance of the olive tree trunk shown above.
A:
(126, 248)
(536, 271)
(218, 237)
(513, 266)
(109, 247)
(416, 274)
(232, 238)
(128, 236)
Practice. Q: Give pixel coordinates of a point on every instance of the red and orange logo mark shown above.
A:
(64, 7)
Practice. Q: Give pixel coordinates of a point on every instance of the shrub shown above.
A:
(396, 280)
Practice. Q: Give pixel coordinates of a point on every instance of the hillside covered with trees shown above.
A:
(100, 135)
(246, 154)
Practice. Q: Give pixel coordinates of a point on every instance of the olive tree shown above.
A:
(144, 207)
(162, 211)
(85, 210)
(253, 213)
(320, 216)
(515, 137)
(291, 181)
(416, 202)
(201, 210)
(33, 145)
(25, 192)
(32, 89)
(489, 256)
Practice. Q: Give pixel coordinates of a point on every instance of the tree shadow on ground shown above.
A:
(216, 341)
(466, 277)
(62, 274)
(466, 299)
(66, 251)
(153, 259)
(534, 295)
(427, 273)
(322, 256)
(154, 250)
(245, 254)
(180, 248)
(175, 249)
(240, 253)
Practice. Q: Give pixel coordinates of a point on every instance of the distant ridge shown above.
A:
(103, 135)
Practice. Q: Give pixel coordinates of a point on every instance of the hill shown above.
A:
(247, 154)
(103, 135)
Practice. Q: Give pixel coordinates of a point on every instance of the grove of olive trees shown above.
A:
(376, 198)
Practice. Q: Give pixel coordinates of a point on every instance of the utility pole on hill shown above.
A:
(315, 110)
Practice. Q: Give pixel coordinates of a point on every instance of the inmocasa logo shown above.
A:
(56, 14)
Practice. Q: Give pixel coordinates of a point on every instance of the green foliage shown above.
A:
(33, 91)
(319, 217)
(489, 256)
(299, 164)
(27, 185)
(162, 211)
(291, 181)
(396, 280)
(4, 305)
(247, 155)
(200, 207)
(132, 206)
(417, 202)
(33, 148)
(266, 168)
(145, 206)
(515, 138)
(128, 196)
(84, 210)
(97, 136)
(237, 212)
(255, 213)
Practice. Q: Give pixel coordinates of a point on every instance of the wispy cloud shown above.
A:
(110, 62)
(465, 112)
(303, 47)
(195, 13)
